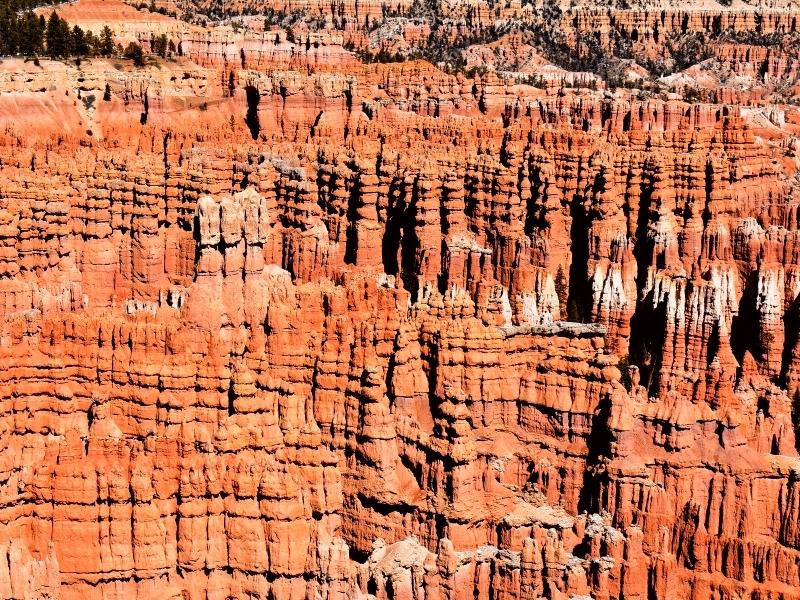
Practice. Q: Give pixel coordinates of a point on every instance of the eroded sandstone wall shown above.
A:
(424, 337)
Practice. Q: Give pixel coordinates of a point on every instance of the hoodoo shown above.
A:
(386, 300)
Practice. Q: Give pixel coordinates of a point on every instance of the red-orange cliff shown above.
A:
(278, 324)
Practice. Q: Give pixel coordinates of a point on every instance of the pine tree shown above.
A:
(135, 53)
(106, 42)
(66, 35)
(31, 38)
(59, 37)
(8, 31)
(79, 45)
(55, 45)
(92, 44)
(160, 45)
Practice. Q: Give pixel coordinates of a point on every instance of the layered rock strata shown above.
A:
(392, 333)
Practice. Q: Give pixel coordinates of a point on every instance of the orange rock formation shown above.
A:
(276, 324)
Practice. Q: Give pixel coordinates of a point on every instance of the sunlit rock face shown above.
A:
(278, 324)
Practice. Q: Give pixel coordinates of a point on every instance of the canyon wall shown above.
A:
(279, 324)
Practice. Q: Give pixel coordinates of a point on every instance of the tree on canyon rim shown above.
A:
(134, 52)
(59, 37)
(28, 34)
(160, 45)
(20, 33)
(106, 47)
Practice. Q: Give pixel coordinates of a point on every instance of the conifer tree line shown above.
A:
(31, 35)
(24, 33)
